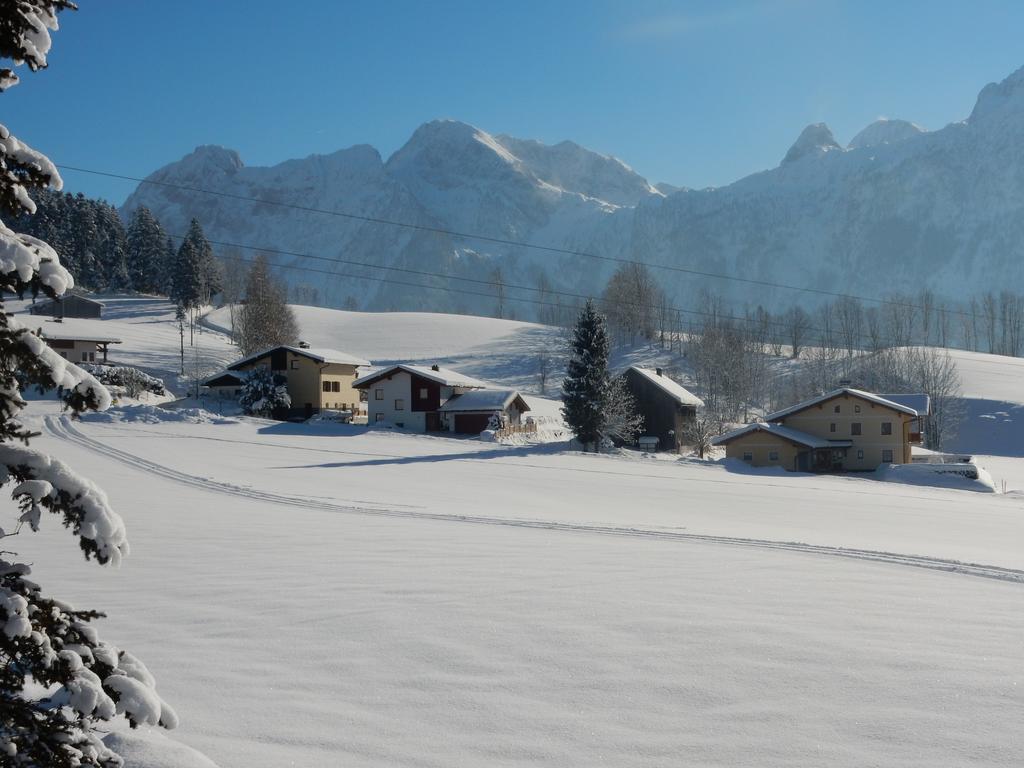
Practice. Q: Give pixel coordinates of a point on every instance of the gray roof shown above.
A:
(868, 396)
(443, 376)
(669, 386)
(919, 402)
(488, 400)
(237, 377)
(319, 354)
(787, 433)
(71, 336)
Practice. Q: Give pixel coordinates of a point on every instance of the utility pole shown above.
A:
(180, 315)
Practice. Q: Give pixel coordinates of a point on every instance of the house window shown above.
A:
(855, 428)
(399, 404)
(327, 386)
(860, 454)
(423, 393)
(832, 427)
(773, 455)
(856, 409)
(836, 410)
(335, 386)
(886, 427)
(85, 357)
(748, 456)
(92, 357)
(295, 365)
(887, 455)
(378, 394)
(379, 417)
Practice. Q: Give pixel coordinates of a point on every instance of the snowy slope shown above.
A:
(356, 597)
(993, 405)
(505, 352)
(364, 597)
(938, 209)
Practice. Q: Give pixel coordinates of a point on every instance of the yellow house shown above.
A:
(318, 379)
(846, 429)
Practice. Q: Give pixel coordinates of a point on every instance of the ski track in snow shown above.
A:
(61, 427)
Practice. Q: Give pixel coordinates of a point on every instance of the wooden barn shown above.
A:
(667, 406)
(70, 305)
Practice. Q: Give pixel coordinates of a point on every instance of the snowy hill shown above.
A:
(505, 352)
(938, 209)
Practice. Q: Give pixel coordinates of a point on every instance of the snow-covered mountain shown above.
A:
(899, 208)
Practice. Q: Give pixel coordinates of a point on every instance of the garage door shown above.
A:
(471, 423)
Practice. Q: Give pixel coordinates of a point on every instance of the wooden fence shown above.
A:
(516, 429)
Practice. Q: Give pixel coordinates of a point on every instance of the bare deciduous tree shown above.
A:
(798, 325)
(266, 320)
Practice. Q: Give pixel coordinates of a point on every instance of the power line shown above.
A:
(500, 240)
(478, 281)
(808, 340)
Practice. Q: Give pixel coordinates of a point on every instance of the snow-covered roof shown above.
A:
(787, 433)
(918, 401)
(868, 396)
(67, 297)
(485, 400)
(225, 376)
(668, 385)
(70, 335)
(443, 376)
(319, 354)
(72, 329)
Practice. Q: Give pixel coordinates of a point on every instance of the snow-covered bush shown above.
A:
(131, 381)
(496, 421)
(58, 681)
(263, 393)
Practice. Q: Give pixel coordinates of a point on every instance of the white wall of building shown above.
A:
(381, 403)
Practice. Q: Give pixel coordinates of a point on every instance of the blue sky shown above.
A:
(692, 93)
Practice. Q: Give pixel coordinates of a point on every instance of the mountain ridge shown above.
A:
(938, 209)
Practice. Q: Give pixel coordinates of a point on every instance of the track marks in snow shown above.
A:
(62, 427)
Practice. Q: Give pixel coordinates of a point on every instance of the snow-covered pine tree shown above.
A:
(207, 267)
(84, 242)
(170, 268)
(586, 383)
(146, 251)
(186, 287)
(263, 392)
(112, 247)
(58, 680)
(265, 320)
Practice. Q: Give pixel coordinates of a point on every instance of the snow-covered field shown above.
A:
(334, 595)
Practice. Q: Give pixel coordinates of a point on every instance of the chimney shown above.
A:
(435, 367)
(660, 371)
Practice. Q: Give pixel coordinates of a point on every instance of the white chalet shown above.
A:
(434, 399)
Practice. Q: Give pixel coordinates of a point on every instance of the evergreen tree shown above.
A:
(586, 384)
(83, 242)
(263, 393)
(207, 270)
(170, 268)
(112, 248)
(186, 285)
(146, 252)
(266, 320)
(58, 681)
